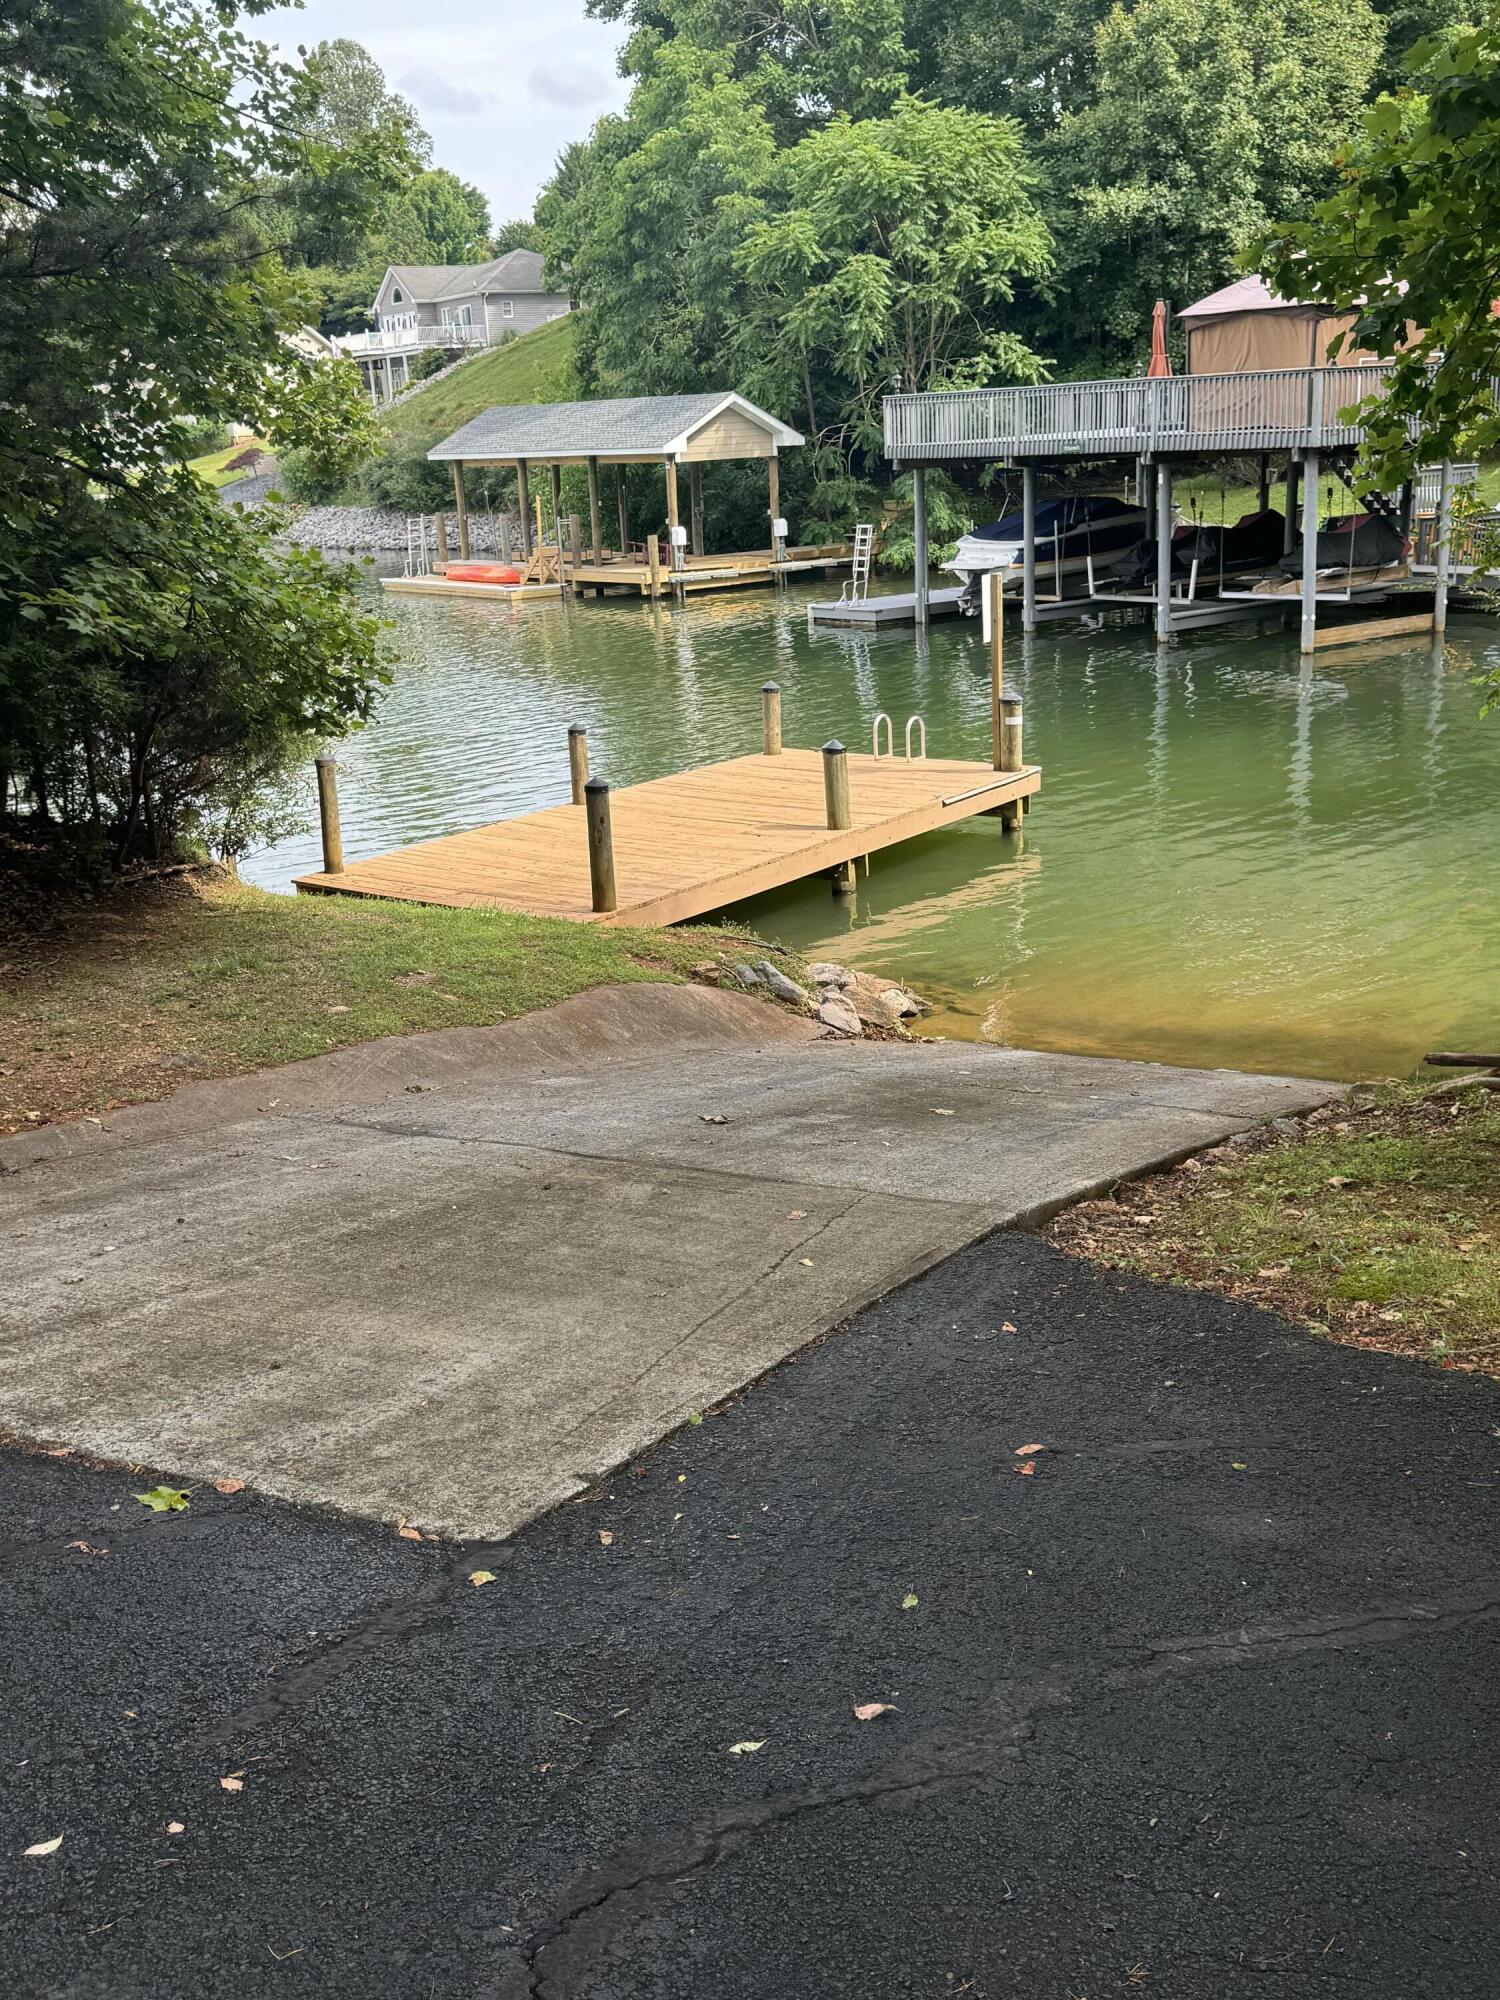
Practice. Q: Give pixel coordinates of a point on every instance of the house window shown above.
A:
(396, 298)
(459, 316)
(507, 309)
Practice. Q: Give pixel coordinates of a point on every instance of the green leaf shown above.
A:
(910, 1601)
(166, 1499)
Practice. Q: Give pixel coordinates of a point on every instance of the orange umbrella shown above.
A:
(1160, 365)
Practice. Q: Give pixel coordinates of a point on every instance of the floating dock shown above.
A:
(899, 608)
(690, 843)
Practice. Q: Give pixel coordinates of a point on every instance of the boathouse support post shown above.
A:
(773, 482)
(695, 506)
(1028, 547)
(596, 533)
(1163, 549)
(328, 816)
(623, 511)
(1444, 548)
(1289, 526)
(578, 760)
(523, 502)
(770, 719)
(1309, 551)
(836, 799)
(919, 540)
(461, 511)
(442, 537)
(601, 846)
(674, 518)
(557, 522)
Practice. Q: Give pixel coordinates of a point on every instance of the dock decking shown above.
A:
(689, 843)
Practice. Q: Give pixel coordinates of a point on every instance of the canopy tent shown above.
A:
(1244, 327)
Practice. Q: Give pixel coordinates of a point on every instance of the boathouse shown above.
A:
(1261, 383)
(682, 435)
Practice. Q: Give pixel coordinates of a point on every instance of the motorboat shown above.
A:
(1204, 553)
(1080, 536)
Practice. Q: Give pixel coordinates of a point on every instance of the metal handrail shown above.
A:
(890, 733)
(916, 722)
(1259, 409)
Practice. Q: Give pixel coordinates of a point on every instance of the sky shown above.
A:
(502, 85)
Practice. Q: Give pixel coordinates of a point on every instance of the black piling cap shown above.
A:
(597, 785)
(770, 687)
(833, 748)
(578, 729)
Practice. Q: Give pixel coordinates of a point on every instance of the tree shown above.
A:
(517, 235)
(1411, 239)
(1209, 117)
(349, 102)
(439, 219)
(159, 656)
(891, 248)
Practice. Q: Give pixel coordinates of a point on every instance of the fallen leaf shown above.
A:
(1007, 1326)
(175, 1826)
(806, 1260)
(910, 1601)
(605, 1537)
(695, 1416)
(1238, 1465)
(868, 1710)
(796, 1215)
(481, 1576)
(747, 1749)
(713, 1118)
(1029, 1450)
(88, 1549)
(1339, 1180)
(938, 1112)
(229, 1486)
(51, 1846)
(1026, 1467)
(165, 1499)
(408, 1534)
(232, 1784)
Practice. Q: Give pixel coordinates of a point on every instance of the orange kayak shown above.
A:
(478, 572)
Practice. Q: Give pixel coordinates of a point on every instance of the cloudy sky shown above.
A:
(502, 85)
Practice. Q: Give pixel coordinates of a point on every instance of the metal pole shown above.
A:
(1163, 549)
(770, 719)
(836, 799)
(1309, 551)
(578, 760)
(919, 539)
(1444, 547)
(328, 815)
(1028, 548)
(601, 846)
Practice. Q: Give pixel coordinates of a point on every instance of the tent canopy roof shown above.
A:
(625, 428)
(1245, 295)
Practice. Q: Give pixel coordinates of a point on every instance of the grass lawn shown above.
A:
(201, 977)
(1377, 1224)
(536, 368)
(211, 467)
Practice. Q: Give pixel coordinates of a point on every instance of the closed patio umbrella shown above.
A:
(1160, 365)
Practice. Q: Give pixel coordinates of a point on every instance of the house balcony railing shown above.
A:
(1284, 409)
(410, 339)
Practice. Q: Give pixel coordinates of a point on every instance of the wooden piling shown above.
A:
(695, 507)
(523, 505)
(578, 760)
(770, 719)
(996, 589)
(836, 800)
(623, 511)
(461, 512)
(442, 538)
(596, 533)
(773, 478)
(674, 519)
(1011, 754)
(653, 564)
(601, 846)
(328, 815)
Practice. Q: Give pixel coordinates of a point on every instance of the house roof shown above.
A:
(426, 284)
(626, 427)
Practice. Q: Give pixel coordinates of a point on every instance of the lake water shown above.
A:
(1235, 859)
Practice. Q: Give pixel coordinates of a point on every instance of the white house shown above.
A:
(419, 306)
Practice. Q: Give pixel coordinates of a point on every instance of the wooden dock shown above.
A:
(693, 842)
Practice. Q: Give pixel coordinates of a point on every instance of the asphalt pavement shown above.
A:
(1184, 1623)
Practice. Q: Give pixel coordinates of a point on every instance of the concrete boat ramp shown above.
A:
(454, 1277)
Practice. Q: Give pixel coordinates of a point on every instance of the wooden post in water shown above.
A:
(919, 543)
(328, 815)
(695, 507)
(836, 799)
(578, 760)
(773, 476)
(770, 719)
(623, 511)
(523, 505)
(596, 533)
(1444, 526)
(653, 564)
(460, 508)
(996, 590)
(601, 846)
(674, 520)
(442, 539)
(1011, 755)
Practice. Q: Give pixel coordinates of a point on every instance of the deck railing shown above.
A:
(407, 339)
(1259, 410)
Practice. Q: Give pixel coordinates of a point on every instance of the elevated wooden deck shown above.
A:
(689, 843)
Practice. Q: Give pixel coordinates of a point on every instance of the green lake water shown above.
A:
(1235, 859)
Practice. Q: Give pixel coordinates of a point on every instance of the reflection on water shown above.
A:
(1236, 858)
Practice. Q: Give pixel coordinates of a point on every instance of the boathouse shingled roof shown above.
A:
(624, 427)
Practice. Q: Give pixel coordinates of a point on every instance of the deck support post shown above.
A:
(1163, 549)
(557, 526)
(674, 518)
(596, 533)
(1028, 547)
(773, 483)
(1289, 526)
(836, 799)
(578, 760)
(1011, 755)
(461, 511)
(1309, 551)
(622, 511)
(328, 816)
(442, 538)
(601, 846)
(523, 503)
(770, 719)
(1263, 494)
(695, 506)
(1444, 548)
(919, 541)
